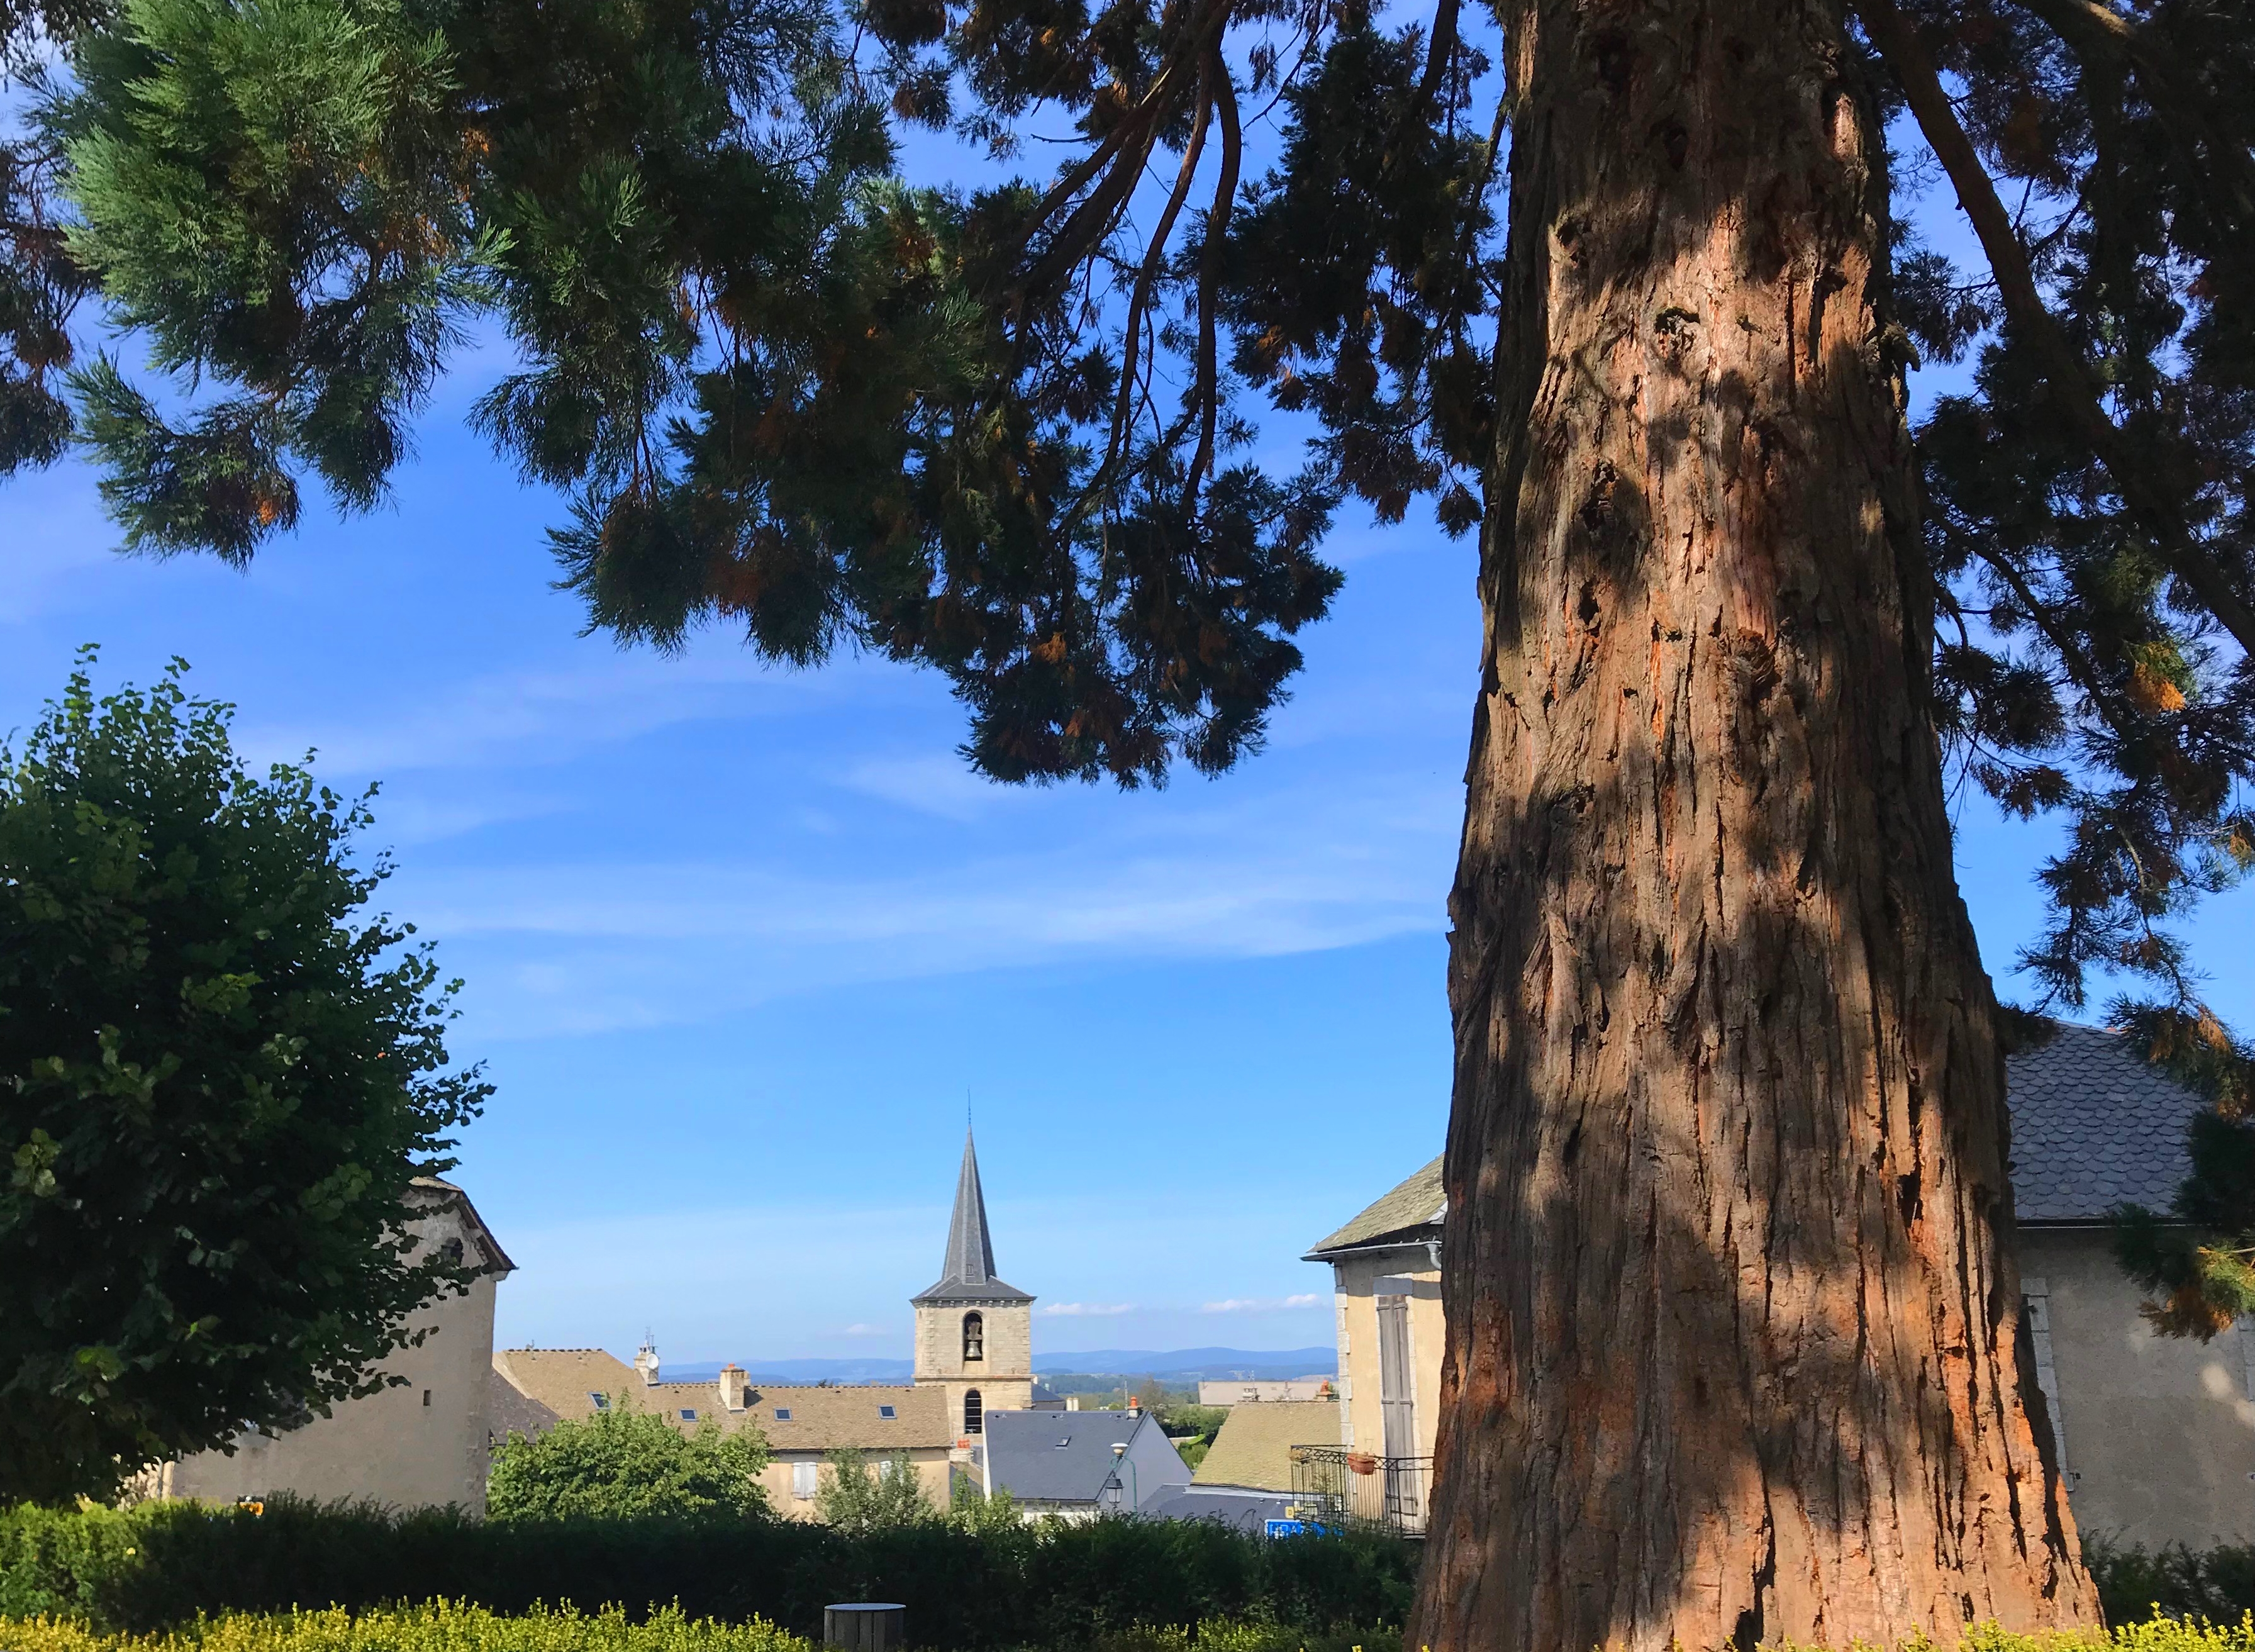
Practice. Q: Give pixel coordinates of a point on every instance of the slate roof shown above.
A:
(1416, 1204)
(1254, 1446)
(968, 1274)
(1056, 1456)
(1231, 1505)
(2093, 1126)
(566, 1380)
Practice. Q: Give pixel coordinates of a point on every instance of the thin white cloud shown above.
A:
(1261, 1304)
(865, 1331)
(1084, 1309)
(643, 945)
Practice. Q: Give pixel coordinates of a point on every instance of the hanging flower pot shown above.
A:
(1362, 1462)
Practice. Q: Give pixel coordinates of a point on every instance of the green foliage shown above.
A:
(2218, 1585)
(970, 1509)
(621, 1464)
(861, 1496)
(969, 1582)
(447, 1627)
(2199, 1260)
(440, 1626)
(219, 1074)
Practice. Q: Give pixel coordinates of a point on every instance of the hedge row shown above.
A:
(447, 1627)
(2216, 1584)
(163, 1565)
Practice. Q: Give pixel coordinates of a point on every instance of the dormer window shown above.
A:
(974, 1337)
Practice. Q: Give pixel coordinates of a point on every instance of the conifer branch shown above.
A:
(2031, 321)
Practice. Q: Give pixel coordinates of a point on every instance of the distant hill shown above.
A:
(1181, 1364)
(1252, 1363)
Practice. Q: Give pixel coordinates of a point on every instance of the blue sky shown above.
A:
(741, 944)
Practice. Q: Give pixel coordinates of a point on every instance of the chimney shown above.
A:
(646, 1362)
(734, 1389)
(1134, 1404)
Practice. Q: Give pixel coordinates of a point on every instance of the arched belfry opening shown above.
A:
(974, 1337)
(974, 1412)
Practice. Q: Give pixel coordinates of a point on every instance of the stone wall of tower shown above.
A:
(1004, 1378)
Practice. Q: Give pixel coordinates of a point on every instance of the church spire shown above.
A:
(969, 1274)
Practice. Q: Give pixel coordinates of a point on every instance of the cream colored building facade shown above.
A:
(421, 1441)
(2156, 1434)
(1385, 1286)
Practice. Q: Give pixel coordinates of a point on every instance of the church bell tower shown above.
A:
(975, 1335)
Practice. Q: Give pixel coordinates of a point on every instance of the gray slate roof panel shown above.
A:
(1415, 1203)
(1024, 1454)
(968, 1273)
(2093, 1125)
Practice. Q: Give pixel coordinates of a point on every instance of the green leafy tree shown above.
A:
(1639, 310)
(994, 1514)
(862, 1495)
(621, 1463)
(219, 1073)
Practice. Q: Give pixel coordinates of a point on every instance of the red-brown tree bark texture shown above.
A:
(1734, 1346)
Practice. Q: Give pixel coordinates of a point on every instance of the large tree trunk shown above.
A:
(1734, 1347)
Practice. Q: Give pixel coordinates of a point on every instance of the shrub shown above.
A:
(2216, 1584)
(861, 1499)
(450, 1627)
(1050, 1584)
(441, 1626)
(622, 1463)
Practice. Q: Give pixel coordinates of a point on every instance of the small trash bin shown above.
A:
(866, 1626)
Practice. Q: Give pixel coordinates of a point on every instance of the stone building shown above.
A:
(421, 1441)
(2156, 1434)
(973, 1357)
(975, 1335)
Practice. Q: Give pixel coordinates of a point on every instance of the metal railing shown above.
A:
(1335, 1487)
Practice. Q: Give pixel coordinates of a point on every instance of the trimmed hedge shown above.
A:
(164, 1564)
(448, 1626)
(2216, 1584)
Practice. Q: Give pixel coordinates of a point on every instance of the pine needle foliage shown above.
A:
(2198, 1259)
(219, 1075)
(1011, 433)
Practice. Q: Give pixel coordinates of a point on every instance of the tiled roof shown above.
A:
(1254, 1446)
(1416, 1203)
(565, 1381)
(2093, 1126)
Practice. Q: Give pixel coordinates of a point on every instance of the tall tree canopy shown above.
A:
(218, 1076)
(1729, 1352)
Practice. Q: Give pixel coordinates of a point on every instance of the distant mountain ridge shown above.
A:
(1180, 1363)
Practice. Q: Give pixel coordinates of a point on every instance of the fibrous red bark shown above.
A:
(1734, 1348)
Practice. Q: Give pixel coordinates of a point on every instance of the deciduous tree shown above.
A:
(622, 1463)
(219, 1073)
